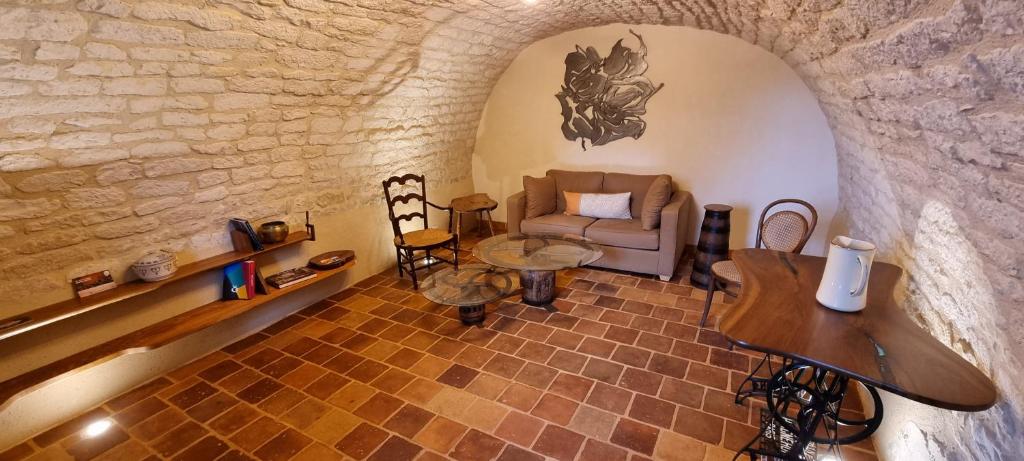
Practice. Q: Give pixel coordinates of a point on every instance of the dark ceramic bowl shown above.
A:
(273, 231)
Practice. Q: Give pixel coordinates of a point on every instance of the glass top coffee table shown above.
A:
(469, 288)
(537, 257)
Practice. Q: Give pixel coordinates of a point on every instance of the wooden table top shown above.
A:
(475, 202)
(776, 313)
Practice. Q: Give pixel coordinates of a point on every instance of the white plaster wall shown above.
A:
(733, 124)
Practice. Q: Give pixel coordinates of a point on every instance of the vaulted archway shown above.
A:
(121, 118)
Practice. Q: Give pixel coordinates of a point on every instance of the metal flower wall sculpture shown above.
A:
(603, 98)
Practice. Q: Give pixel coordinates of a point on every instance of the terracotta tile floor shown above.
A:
(377, 372)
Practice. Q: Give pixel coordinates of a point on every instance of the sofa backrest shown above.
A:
(637, 185)
(611, 183)
(574, 181)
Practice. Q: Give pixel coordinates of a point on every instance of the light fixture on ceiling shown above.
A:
(97, 428)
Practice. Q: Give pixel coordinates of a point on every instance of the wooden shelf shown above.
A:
(151, 337)
(43, 316)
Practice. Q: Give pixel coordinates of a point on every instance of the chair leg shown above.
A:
(455, 252)
(398, 259)
(490, 222)
(412, 269)
(707, 302)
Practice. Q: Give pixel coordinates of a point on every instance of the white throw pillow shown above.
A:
(602, 206)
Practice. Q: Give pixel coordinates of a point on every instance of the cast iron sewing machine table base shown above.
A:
(804, 409)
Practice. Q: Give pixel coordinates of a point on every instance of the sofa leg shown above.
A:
(665, 278)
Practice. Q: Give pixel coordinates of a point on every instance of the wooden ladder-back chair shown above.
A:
(414, 246)
(784, 230)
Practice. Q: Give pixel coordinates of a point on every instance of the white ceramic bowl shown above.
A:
(157, 265)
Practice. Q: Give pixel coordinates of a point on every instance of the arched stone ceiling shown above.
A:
(317, 99)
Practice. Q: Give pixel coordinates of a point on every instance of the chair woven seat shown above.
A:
(424, 238)
(727, 271)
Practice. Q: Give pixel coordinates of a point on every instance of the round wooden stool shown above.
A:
(476, 203)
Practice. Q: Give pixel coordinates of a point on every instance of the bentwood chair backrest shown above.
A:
(785, 230)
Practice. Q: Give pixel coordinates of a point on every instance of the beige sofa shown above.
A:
(626, 245)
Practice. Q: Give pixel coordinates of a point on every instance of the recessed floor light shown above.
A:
(97, 428)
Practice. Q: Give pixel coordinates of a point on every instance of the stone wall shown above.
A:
(128, 125)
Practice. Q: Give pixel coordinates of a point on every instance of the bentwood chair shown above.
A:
(415, 246)
(784, 230)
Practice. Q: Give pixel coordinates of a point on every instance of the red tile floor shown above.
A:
(378, 372)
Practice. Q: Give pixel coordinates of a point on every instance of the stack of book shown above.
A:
(290, 277)
(91, 284)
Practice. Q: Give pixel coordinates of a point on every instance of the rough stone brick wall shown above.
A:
(130, 124)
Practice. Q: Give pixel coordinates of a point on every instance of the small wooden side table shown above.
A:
(476, 203)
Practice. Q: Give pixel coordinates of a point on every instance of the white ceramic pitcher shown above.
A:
(845, 281)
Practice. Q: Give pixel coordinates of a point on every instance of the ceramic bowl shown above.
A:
(273, 231)
(157, 265)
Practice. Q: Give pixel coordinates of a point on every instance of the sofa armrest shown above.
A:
(516, 209)
(672, 237)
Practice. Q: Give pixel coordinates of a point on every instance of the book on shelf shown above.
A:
(249, 270)
(90, 284)
(260, 282)
(290, 277)
(244, 227)
(236, 282)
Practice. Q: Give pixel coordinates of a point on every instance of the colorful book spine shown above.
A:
(250, 278)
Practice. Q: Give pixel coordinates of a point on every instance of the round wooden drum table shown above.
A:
(476, 203)
(537, 257)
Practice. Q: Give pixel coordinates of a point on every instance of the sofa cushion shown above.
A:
(556, 224)
(540, 196)
(615, 206)
(574, 181)
(636, 184)
(625, 233)
(657, 197)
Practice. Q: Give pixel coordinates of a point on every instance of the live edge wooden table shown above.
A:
(822, 351)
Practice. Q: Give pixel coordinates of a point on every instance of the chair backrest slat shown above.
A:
(404, 199)
(409, 216)
(785, 230)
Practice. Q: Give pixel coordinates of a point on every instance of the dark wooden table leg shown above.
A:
(538, 287)
(472, 315)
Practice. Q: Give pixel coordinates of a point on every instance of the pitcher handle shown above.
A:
(863, 278)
